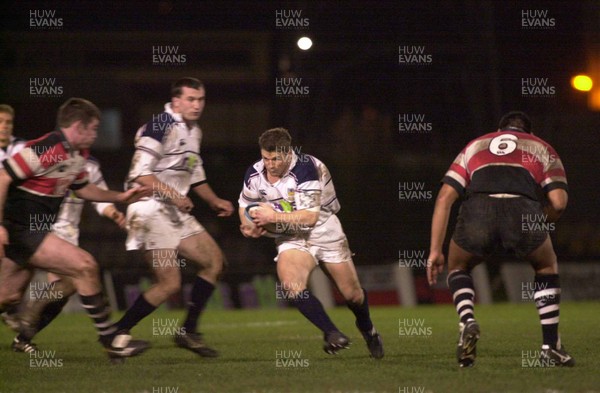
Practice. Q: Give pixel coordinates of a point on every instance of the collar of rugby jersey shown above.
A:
(513, 129)
(177, 116)
(65, 142)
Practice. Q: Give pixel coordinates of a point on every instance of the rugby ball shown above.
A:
(270, 228)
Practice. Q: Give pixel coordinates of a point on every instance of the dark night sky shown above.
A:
(480, 55)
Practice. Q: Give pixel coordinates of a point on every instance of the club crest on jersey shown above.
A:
(291, 192)
(262, 192)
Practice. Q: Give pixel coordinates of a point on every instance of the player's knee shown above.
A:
(355, 296)
(87, 266)
(291, 289)
(214, 266)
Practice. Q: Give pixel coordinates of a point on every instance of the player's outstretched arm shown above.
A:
(223, 207)
(439, 224)
(166, 192)
(91, 192)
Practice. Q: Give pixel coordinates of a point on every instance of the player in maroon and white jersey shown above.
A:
(515, 188)
(9, 145)
(32, 186)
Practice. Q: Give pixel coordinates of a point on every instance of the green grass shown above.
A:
(249, 341)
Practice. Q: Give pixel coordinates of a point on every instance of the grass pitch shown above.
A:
(277, 350)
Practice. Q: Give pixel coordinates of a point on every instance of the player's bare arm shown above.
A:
(439, 224)
(5, 181)
(557, 203)
(182, 202)
(91, 192)
(247, 229)
(114, 214)
(223, 207)
(266, 215)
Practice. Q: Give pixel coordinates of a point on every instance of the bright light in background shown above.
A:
(304, 43)
(582, 83)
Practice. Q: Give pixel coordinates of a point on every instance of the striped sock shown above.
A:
(99, 311)
(460, 283)
(547, 302)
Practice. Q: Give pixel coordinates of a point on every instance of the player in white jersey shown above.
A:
(37, 313)
(167, 159)
(296, 192)
(9, 144)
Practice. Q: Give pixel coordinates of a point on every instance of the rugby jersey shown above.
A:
(306, 175)
(507, 161)
(14, 146)
(72, 206)
(166, 148)
(42, 172)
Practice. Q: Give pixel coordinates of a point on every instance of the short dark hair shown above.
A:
(4, 108)
(178, 85)
(275, 139)
(516, 120)
(75, 109)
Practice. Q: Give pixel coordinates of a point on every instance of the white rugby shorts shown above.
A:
(326, 243)
(153, 225)
(67, 232)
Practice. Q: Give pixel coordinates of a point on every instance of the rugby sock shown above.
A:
(547, 302)
(460, 283)
(313, 310)
(140, 309)
(99, 311)
(201, 292)
(49, 312)
(48, 304)
(361, 311)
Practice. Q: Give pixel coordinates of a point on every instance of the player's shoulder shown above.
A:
(18, 141)
(534, 138)
(49, 139)
(305, 168)
(158, 126)
(253, 171)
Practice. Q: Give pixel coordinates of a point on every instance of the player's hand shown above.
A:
(435, 265)
(223, 207)
(111, 212)
(183, 203)
(3, 240)
(119, 219)
(263, 216)
(252, 231)
(134, 194)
